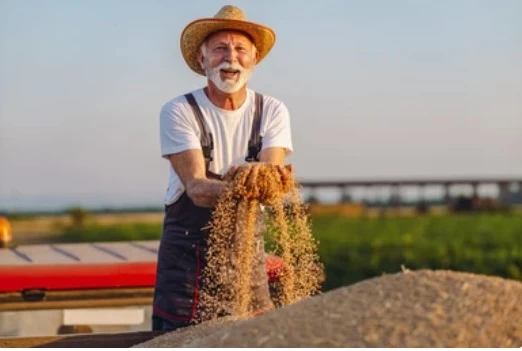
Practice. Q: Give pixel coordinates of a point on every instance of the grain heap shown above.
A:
(409, 309)
(234, 245)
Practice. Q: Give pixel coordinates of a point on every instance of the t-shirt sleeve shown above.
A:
(177, 131)
(278, 132)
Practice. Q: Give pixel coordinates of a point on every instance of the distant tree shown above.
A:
(422, 207)
(312, 199)
(78, 215)
(346, 198)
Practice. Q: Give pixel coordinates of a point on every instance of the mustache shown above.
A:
(231, 66)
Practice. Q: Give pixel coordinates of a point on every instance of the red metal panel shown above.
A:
(77, 276)
(92, 276)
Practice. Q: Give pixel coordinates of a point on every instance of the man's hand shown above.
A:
(231, 173)
(253, 169)
(271, 155)
(251, 180)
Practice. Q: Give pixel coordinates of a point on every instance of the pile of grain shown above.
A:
(409, 309)
(182, 337)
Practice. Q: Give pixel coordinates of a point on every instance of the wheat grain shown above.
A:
(233, 235)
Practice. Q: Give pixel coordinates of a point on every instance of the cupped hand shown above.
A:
(259, 180)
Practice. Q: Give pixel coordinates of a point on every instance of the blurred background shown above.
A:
(406, 123)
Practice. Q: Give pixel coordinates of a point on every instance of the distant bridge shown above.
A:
(445, 184)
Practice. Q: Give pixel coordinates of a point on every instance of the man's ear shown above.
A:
(200, 59)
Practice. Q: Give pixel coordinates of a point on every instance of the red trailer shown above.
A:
(83, 275)
(84, 282)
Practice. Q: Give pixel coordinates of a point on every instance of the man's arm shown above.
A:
(190, 167)
(273, 155)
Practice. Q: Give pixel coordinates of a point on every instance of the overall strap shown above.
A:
(255, 143)
(207, 141)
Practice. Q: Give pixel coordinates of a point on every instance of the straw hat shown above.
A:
(228, 18)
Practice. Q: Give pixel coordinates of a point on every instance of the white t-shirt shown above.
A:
(179, 131)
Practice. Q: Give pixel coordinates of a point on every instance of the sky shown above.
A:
(376, 89)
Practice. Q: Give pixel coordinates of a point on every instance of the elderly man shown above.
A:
(206, 135)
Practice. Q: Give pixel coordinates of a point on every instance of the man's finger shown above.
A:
(231, 173)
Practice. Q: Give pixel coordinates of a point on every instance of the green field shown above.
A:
(356, 249)
(353, 249)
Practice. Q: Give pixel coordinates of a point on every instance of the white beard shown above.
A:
(229, 85)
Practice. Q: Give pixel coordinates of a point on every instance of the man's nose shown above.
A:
(231, 56)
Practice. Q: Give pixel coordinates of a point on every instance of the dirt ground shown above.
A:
(408, 309)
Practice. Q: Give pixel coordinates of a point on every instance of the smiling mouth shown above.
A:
(229, 73)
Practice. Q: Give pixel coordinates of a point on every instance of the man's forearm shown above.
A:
(205, 192)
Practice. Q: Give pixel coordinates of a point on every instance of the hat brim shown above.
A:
(197, 31)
